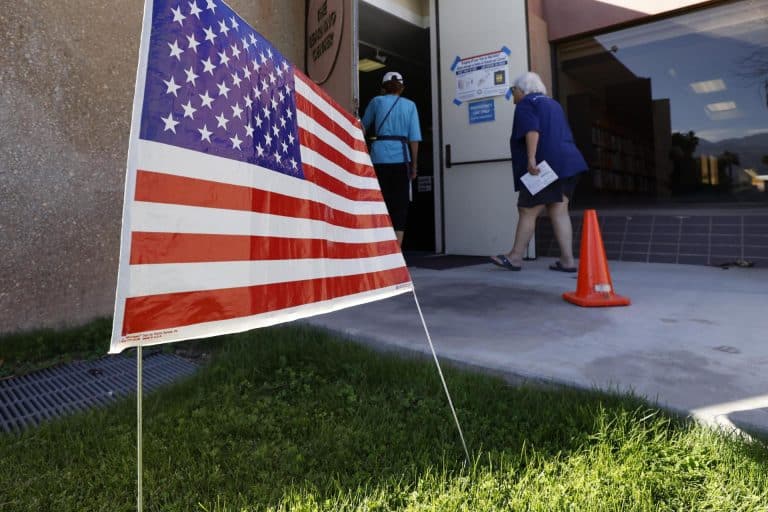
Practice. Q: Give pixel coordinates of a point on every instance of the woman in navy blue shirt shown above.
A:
(541, 132)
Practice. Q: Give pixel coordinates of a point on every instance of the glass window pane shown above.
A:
(674, 109)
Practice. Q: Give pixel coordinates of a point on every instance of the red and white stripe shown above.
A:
(214, 246)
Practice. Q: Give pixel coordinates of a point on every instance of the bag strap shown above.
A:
(386, 116)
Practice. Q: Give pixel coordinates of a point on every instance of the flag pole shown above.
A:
(440, 371)
(139, 458)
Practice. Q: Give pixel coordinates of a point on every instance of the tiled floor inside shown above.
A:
(691, 238)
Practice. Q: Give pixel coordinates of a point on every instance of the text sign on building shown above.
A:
(482, 111)
(324, 28)
(482, 76)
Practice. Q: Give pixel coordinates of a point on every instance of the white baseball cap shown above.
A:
(392, 75)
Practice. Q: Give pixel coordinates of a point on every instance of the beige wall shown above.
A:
(339, 83)
(571, 17)
(538, 36)
(66, 90)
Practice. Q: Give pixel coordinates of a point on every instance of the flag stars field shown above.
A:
(228, 61)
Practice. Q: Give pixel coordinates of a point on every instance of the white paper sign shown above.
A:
(536, 182)
(482, 76)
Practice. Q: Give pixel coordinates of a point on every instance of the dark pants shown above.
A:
(394, 182)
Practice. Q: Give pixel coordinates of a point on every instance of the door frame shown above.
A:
(437, 120)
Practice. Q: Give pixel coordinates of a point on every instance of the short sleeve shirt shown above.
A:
(403, 121)
(540, 113)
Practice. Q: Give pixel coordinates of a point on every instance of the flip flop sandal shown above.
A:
(558, 267)
(502, 261)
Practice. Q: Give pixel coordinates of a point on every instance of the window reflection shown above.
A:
(673, 110)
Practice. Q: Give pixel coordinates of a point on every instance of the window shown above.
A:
(675, 109)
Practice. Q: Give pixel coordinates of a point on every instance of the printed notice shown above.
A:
(482, 76)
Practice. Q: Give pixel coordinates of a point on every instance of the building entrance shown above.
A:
(388, 43)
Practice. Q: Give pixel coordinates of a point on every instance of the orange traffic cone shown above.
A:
(594, 287)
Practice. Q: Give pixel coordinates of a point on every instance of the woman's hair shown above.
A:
(392, 87)
(530, 82)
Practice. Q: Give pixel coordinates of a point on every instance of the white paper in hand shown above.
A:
(534, 183)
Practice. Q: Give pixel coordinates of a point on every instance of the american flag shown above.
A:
(250, 197)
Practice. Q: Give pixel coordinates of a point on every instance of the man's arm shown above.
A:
(414, 144)
(414, 134)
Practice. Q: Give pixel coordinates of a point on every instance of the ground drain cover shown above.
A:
(27, 400)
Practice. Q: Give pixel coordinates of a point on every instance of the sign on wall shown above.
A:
(325, 22)
(482, 111)
(482, 76)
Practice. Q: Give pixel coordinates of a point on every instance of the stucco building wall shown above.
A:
(67, 77)
(538, 42)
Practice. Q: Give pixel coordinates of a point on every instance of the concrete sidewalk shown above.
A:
(695, 338)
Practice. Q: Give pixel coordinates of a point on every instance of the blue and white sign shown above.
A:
(482, 111)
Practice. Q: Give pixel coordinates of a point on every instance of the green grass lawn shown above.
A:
(292, 419)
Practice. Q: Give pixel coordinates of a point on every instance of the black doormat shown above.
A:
(442, 261)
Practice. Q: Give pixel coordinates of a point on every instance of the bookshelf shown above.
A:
(614, 131)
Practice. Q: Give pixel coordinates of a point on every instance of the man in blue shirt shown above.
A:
(392, 123)
(540, 131)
